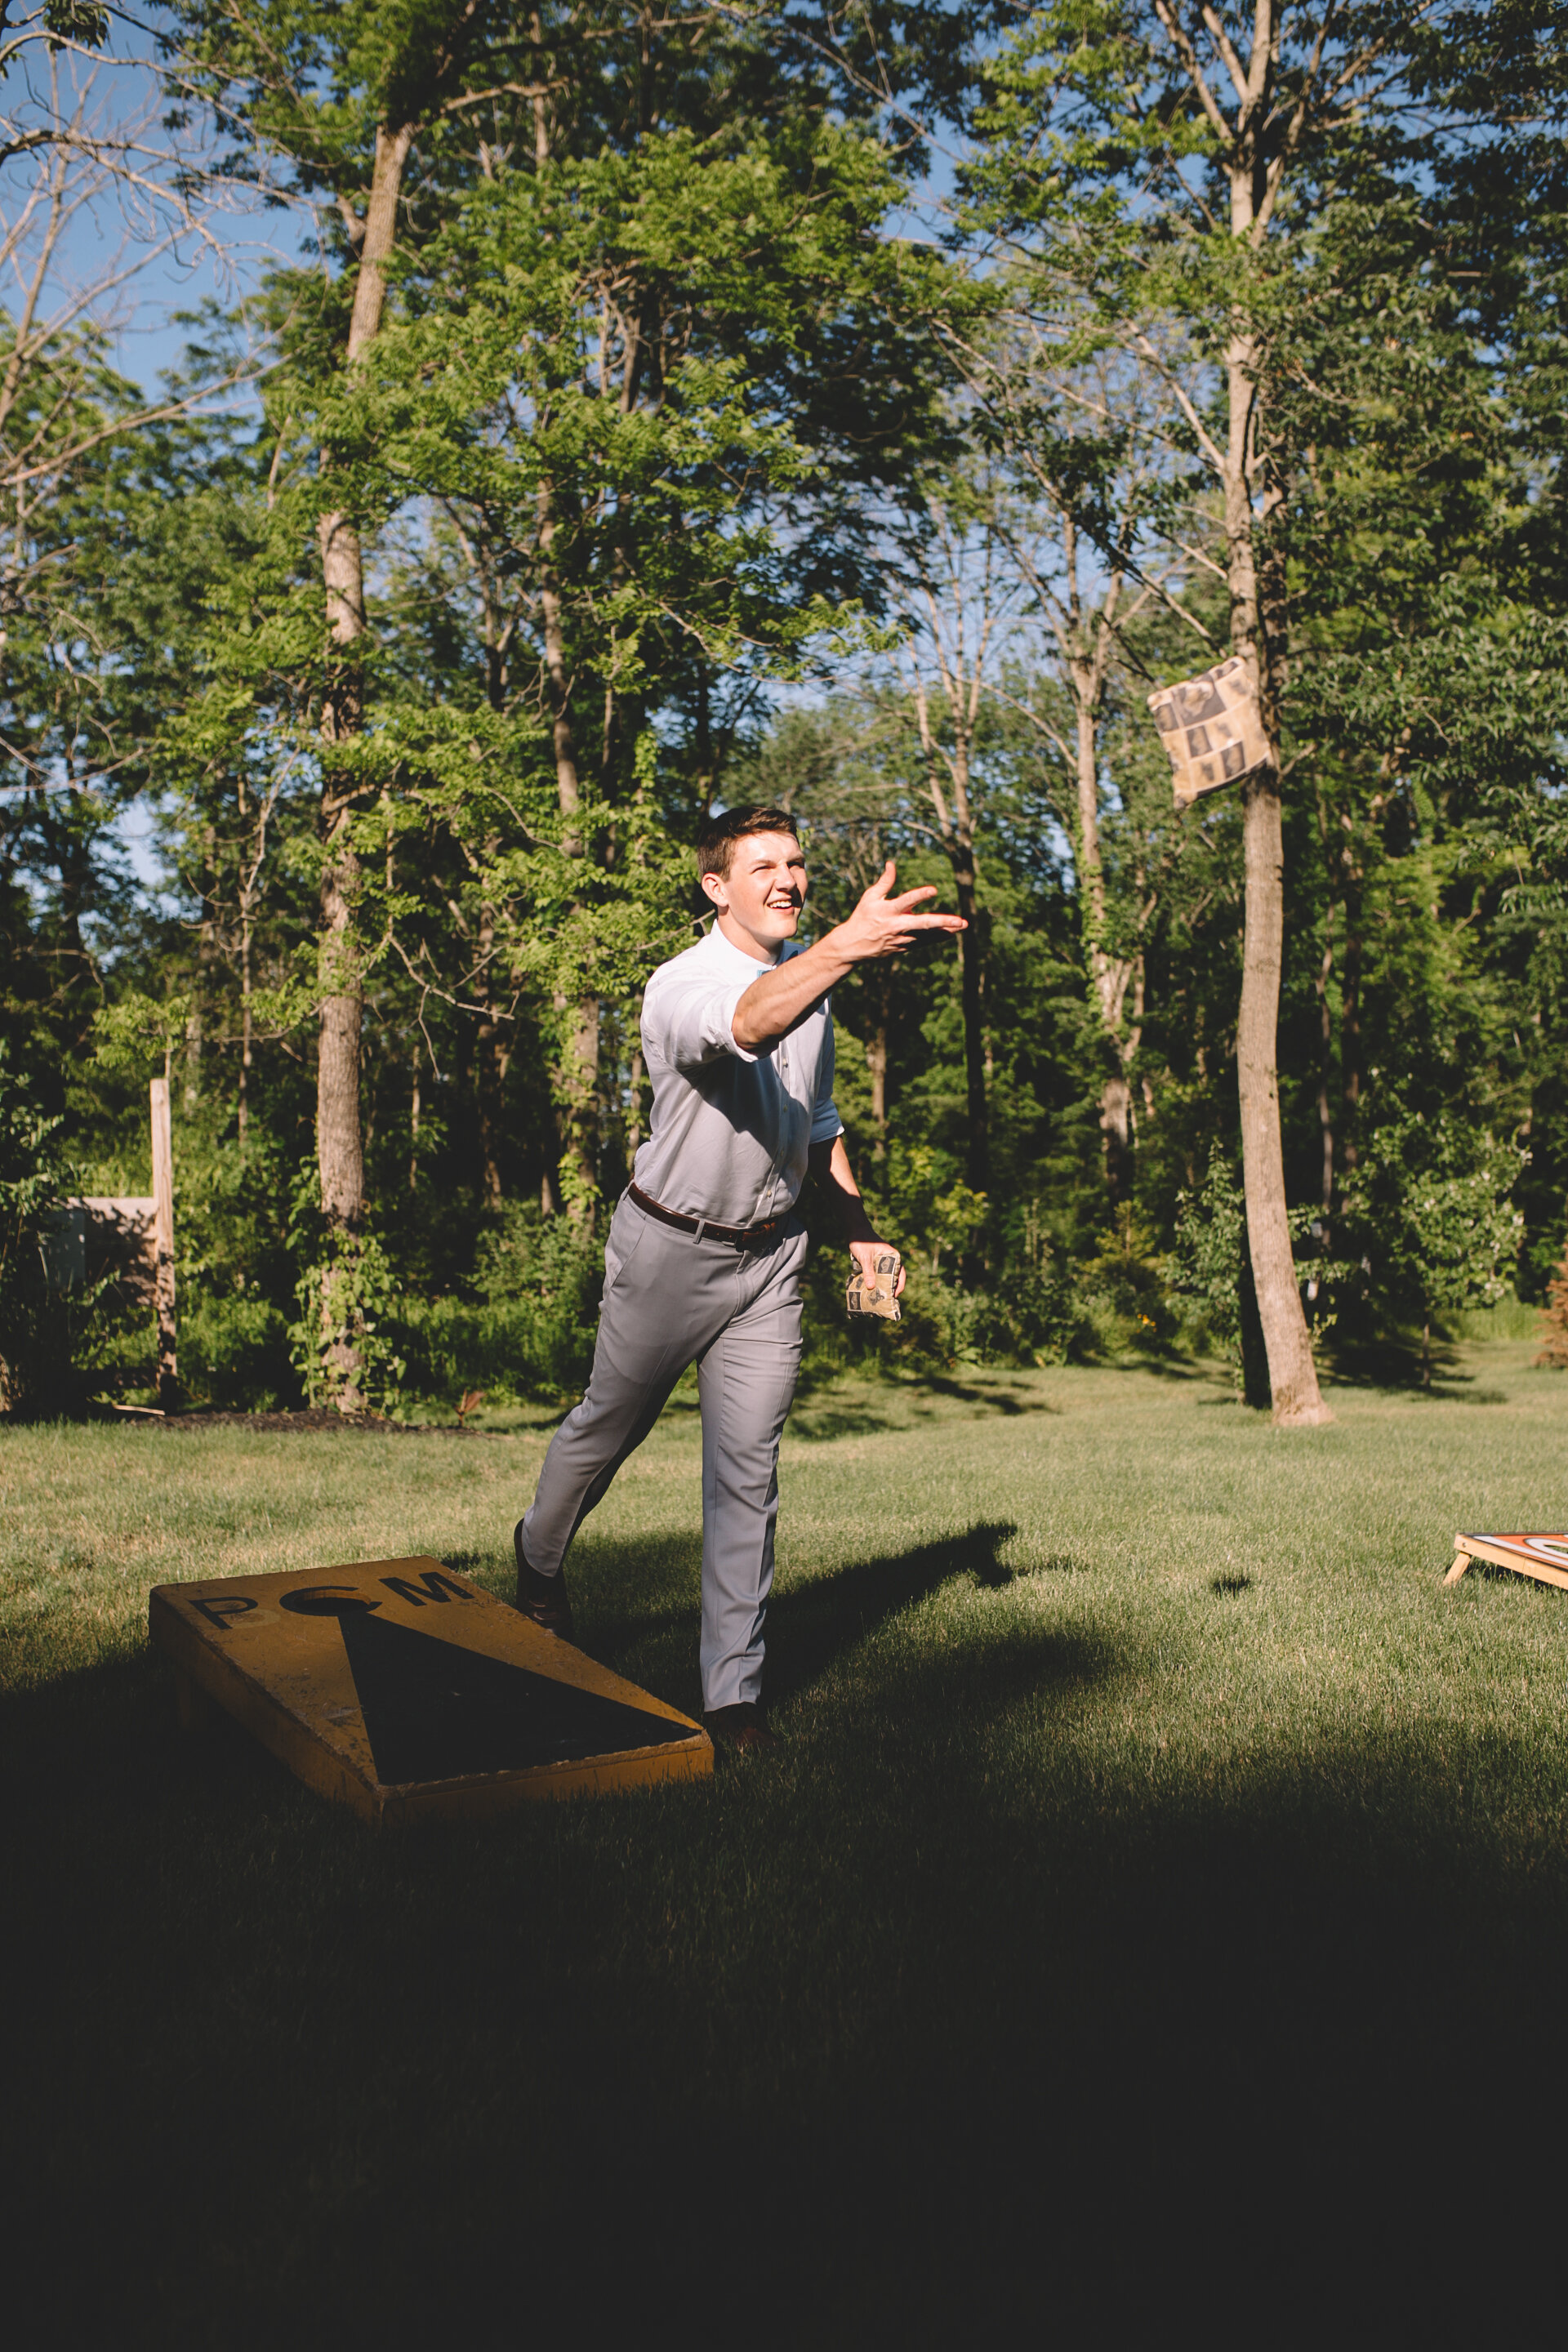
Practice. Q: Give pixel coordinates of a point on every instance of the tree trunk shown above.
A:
(1115, 1097)
(1258, 633)
(1292, 1375)
(246, 993)
(876, 1063)
(1116, 1134)
(1350, 1020)
(163, 1222)
(491, 1058)
(577, 1111)
(577, 1075)
(1109, 975)
(633, 1106)
(1326, 1045)
(969, 984)
(207, 963)
(340, 1151)
(956, 828)
(971, 956)
(248, 877)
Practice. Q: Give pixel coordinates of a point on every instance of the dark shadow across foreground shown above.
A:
(880, 2042)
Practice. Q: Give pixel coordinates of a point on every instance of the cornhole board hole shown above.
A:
(1543, 1556)
(403, 1691)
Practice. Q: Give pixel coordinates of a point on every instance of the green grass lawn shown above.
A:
(1164, 1889)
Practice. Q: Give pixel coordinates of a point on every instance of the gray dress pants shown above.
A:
(671, 1300)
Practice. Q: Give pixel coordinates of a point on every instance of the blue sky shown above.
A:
(141, 316)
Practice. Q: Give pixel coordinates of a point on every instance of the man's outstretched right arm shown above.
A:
(881, 925)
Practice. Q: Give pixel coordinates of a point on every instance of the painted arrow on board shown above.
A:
(403, 1691)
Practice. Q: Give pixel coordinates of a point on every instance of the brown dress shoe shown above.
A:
(741, 1728)
(542, 1597)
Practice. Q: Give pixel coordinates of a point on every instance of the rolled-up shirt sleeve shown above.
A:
(692, 1021)
(729, 1133)
(825, 1122)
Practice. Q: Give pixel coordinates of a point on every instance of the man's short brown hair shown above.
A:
(716, 842)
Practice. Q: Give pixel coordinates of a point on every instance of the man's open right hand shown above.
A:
(883, 925)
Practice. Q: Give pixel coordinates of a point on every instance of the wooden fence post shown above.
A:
(164, 1224)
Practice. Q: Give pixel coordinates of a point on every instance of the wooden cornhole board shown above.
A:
(1543, 1556)
(402, 1690)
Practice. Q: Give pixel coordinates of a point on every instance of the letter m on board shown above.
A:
(434, 1585)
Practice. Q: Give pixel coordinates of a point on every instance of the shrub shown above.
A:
(1125, 1282)
(37, 1324)
(1210, 1269)
(1431, 1201)
(1033, 1315)
(348, 1304)
(525, 1328)
(1205, 1266)
(235, 1352)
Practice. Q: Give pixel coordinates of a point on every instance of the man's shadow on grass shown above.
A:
(637, 1609)
(811, 1625)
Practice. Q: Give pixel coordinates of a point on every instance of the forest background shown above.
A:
(860, 408)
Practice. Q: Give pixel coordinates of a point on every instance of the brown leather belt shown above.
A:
(702, 1226)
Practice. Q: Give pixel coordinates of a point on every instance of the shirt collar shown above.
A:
(725, 953)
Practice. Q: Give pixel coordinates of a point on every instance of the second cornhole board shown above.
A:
(1543, 1556)
(409, 1693)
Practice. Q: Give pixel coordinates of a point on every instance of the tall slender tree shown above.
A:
(341, 94)
(1161, 165)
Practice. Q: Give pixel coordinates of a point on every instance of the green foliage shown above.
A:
(240, 1354)
(1208, 1274)
(30, 1169)
(82, 21)
(242, 1224)
(933, 1204)
(1208, 1253)
(1126, 1271)
(35, 1359)
(523, 1328)
(349, 1301)
(136, 1033)
(1434, 1200)
(665, 420)
(1030, 1316)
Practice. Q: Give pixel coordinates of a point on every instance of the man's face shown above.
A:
(763, 892)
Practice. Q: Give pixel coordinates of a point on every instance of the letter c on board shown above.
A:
(326, 1601)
